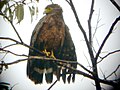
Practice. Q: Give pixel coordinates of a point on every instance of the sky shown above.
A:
(16, 74)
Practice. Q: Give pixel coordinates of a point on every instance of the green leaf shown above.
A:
(37, 10)
(2, 3)
(20, 12)
(32, 12)
(10, 14)
(37, 0)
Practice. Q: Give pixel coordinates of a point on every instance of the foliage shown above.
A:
(15, 9)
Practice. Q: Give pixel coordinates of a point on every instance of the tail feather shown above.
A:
(58, 73)
(49, 77)
(69, 78)
(64, 75)
(36, 77)
(73, 78)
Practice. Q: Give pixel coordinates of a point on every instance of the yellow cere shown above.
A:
(48, 10)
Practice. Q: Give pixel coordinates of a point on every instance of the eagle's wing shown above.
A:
(31, 64)
(48, 34)
(67, 53)
(37, 68)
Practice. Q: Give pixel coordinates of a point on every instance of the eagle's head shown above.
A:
(53, 9)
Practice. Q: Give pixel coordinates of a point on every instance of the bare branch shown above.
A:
(106, 38)
(87, 60)
(7, 51)
(9, 45)
(14, 62)
(52, 85)
(23, 44)
(96, 27)
(36, 57)
(115, 4)
(113, 52)
(109, 82)
(12, 26)
(113, 71)
(89, 22)
(1, 59)
(82, 30)
(102, 73)
(93, 60)
(68, 2)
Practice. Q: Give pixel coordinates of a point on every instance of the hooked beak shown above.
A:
(46, 11)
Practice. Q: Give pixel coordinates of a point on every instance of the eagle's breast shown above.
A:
(52, 33)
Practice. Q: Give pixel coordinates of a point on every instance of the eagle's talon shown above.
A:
(52, 55)
(46, 53)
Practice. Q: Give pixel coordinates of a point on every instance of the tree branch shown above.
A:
(52, 85)
(108, 55)
(96, 27)
(9, 45)
(12, 26)
(106, 38)
(115, 4)
(93, 60)
(89, 23)
(109, 82)
(113, 72)
(12, 52)
(23, 44)
(36, 57)
(82, 30)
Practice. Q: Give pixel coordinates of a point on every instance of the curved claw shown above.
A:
(52, 55)
(46, 52)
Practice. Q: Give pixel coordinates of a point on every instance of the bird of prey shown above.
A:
(51, 36)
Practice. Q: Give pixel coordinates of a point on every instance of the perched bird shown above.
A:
(51, 36)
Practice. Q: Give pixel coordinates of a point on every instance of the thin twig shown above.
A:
(12, 26)
(9, 45)
(23, 44)
(113, 52)
(96, 27)
(52, 85)
(102, 73)
(7, 51)
(106, 38)
(82, 30)
(68, 2)
(113, 71)
(87, 60)
(1, 59)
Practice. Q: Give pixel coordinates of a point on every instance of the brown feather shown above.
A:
(52, 34)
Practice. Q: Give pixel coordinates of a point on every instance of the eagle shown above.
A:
(51, 36)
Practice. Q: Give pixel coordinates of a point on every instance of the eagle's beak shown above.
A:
(45, 11)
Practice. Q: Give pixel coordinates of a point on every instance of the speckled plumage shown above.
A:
(52, 34)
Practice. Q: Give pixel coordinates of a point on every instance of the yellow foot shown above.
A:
(47, 53)
(52, 55)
